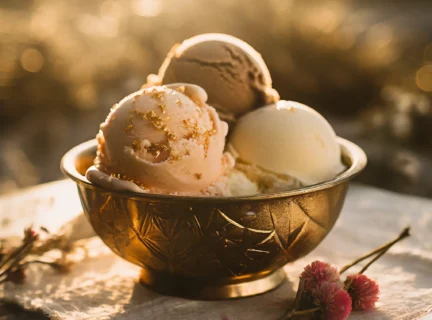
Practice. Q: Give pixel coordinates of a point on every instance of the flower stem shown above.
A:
(12, 255)
(300, 313)
(37, 262)
(305, 312)
(288, 313)
(405, 233)
(16, 257)
(299, 294)
(379, 255)
(381, 250)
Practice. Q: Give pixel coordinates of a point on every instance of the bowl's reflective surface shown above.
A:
(212, 248)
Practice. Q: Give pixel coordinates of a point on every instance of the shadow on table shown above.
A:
(146, 303)
(13, 311)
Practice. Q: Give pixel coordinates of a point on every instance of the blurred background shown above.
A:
(366, 65)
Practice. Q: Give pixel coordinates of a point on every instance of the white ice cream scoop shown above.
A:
(289, 138)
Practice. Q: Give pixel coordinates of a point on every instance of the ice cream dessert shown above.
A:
(168, 139)
(162, 139)
(233, 74)
(287, 139)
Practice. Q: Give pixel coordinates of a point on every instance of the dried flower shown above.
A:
(30, 235)
(364, 292)
(321, 292)
(14, 261)
(318, 272)
(16, 275)
(334, 302)
(61, 267)
(44, 229)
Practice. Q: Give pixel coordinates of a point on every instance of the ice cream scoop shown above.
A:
(162, 139)
(289, 138)
(232, 73)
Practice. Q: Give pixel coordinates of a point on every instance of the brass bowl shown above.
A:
(212, 247)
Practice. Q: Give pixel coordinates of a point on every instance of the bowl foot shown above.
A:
(201, 290)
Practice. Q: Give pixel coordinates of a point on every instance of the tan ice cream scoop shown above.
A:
(232, 73)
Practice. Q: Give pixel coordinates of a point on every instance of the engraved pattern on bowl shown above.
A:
(220, 240)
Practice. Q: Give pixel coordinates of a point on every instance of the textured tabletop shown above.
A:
(103, 286)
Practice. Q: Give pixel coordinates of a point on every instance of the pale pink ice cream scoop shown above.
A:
(162, 139)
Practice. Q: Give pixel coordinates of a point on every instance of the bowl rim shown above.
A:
(348, 149)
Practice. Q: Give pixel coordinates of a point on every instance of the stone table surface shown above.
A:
(102, 286)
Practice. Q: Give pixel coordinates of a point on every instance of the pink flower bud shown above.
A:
(318, 272)
(334, 302)
(364, 292)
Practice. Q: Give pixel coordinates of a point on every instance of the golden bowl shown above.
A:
(212, 247)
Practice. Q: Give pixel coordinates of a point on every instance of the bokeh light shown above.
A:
(146, 8)
(32, 60)
(365, 65)
(424, 78)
